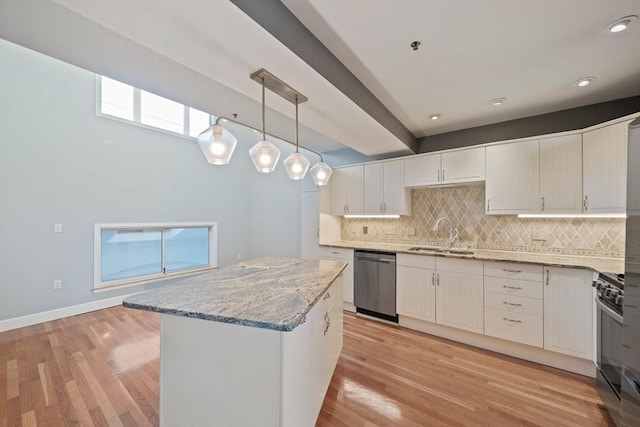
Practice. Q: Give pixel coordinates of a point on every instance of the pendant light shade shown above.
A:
(217, 144)
(321, 172)
(296, 165)
(265, 156)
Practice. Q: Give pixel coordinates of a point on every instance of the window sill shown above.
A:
(145, 281)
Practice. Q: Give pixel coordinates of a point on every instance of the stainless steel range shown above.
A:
(609, 301)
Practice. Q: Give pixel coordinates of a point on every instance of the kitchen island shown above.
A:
(252, 344)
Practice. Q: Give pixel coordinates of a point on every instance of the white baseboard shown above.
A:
(347, 306)
(521, 351)
(59, 313)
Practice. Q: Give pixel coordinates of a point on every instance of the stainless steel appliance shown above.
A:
(375, 284)
(630, 405)
(609, 297)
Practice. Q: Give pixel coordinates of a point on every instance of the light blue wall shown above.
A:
(60, 163)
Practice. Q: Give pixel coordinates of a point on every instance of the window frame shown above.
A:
(137, 112)
(101, 286)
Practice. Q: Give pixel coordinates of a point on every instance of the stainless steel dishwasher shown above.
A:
(375, 284)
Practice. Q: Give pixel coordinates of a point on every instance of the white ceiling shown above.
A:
(529, 51)
(473, 51)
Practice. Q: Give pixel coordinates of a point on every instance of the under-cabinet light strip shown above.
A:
(373, 216)
(609, 215)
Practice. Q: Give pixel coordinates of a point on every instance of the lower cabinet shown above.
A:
(444, 290)
(459, 294)
(568, 311)
(545, 307)
(342, 254)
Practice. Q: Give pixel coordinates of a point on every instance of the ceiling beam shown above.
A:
(544, 124)
(274, 17)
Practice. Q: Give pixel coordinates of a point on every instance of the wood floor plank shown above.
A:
(102, 369)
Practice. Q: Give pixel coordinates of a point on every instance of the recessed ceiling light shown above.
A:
(585, 81)
(498, 101)
(435, 116)
(620, 25)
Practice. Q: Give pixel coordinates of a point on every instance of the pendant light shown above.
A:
(296, 164)
(217, 144)
(264, 154)
(321, 172)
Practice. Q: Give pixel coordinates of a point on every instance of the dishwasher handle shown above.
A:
(386, 261)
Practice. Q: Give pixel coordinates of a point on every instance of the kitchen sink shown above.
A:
(442, 249)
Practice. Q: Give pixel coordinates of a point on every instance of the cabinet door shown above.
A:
(463, 166)
(568, 311)
(604, 168)
(561, 174)
(355, 189)
(416, 293)
(459, 300)
(339, 181)
(373, 188)
(396, 198)
(512, 178)
(422, 170)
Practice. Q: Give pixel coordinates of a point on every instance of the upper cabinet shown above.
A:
(347, 191)
(446, 168)
(561, 174)
(384, 190)
(604, 165)
(512, 178)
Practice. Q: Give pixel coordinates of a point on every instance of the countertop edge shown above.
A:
(282, 327)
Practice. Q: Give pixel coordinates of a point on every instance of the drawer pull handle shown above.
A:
(327, 296)
(506, 270)
(512, 320)
(327, 323)
(511, 287)
(512, 304)
(335, 252)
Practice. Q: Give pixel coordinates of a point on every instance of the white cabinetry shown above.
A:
(561, 174)
(347, 190)
(416, 287)
(447, 168)
(568, 311)
(342, 254)
(281, 376)
(459, 294)
(604, 168)
(384, 190)
(512, 178)
(513, 302)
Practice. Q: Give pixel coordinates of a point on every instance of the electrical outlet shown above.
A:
(239, 255)
(57, 284)
(391, 230)
(539, 234)
(365, 229)
(57, 228)
(411, 231)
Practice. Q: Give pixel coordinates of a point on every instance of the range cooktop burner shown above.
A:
(610, 289)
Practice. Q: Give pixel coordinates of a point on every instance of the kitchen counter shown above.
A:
(598, 264)
(270, 293)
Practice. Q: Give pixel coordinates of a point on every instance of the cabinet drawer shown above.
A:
(331, 252)
(518, 327)
(467, 266)
(513, 304)
(511, 270)
(417, 261)
(522, 288)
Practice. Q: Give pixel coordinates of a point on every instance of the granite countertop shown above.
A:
(270, 293)
(598, 264)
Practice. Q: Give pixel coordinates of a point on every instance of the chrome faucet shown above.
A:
(453, 232)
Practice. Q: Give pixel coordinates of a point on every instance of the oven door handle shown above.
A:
(609, 311)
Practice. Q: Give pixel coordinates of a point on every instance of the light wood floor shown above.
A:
(101, 369)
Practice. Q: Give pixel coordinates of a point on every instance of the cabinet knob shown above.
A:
(433, 279)
(585, 203)
(488, 205)
(547, 277)
(543, 203)
(438, 279)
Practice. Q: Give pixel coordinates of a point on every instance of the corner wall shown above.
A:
(60, 163)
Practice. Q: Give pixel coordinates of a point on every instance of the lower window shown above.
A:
(127, 254)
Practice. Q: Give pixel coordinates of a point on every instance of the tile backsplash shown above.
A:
(464, 206)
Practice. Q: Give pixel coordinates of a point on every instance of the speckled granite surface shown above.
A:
(599, 264)
(270, 293)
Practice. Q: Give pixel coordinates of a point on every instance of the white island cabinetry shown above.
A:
(268, 367)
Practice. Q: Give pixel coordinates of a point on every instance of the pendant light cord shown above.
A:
(296, 123)
(264, 133)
